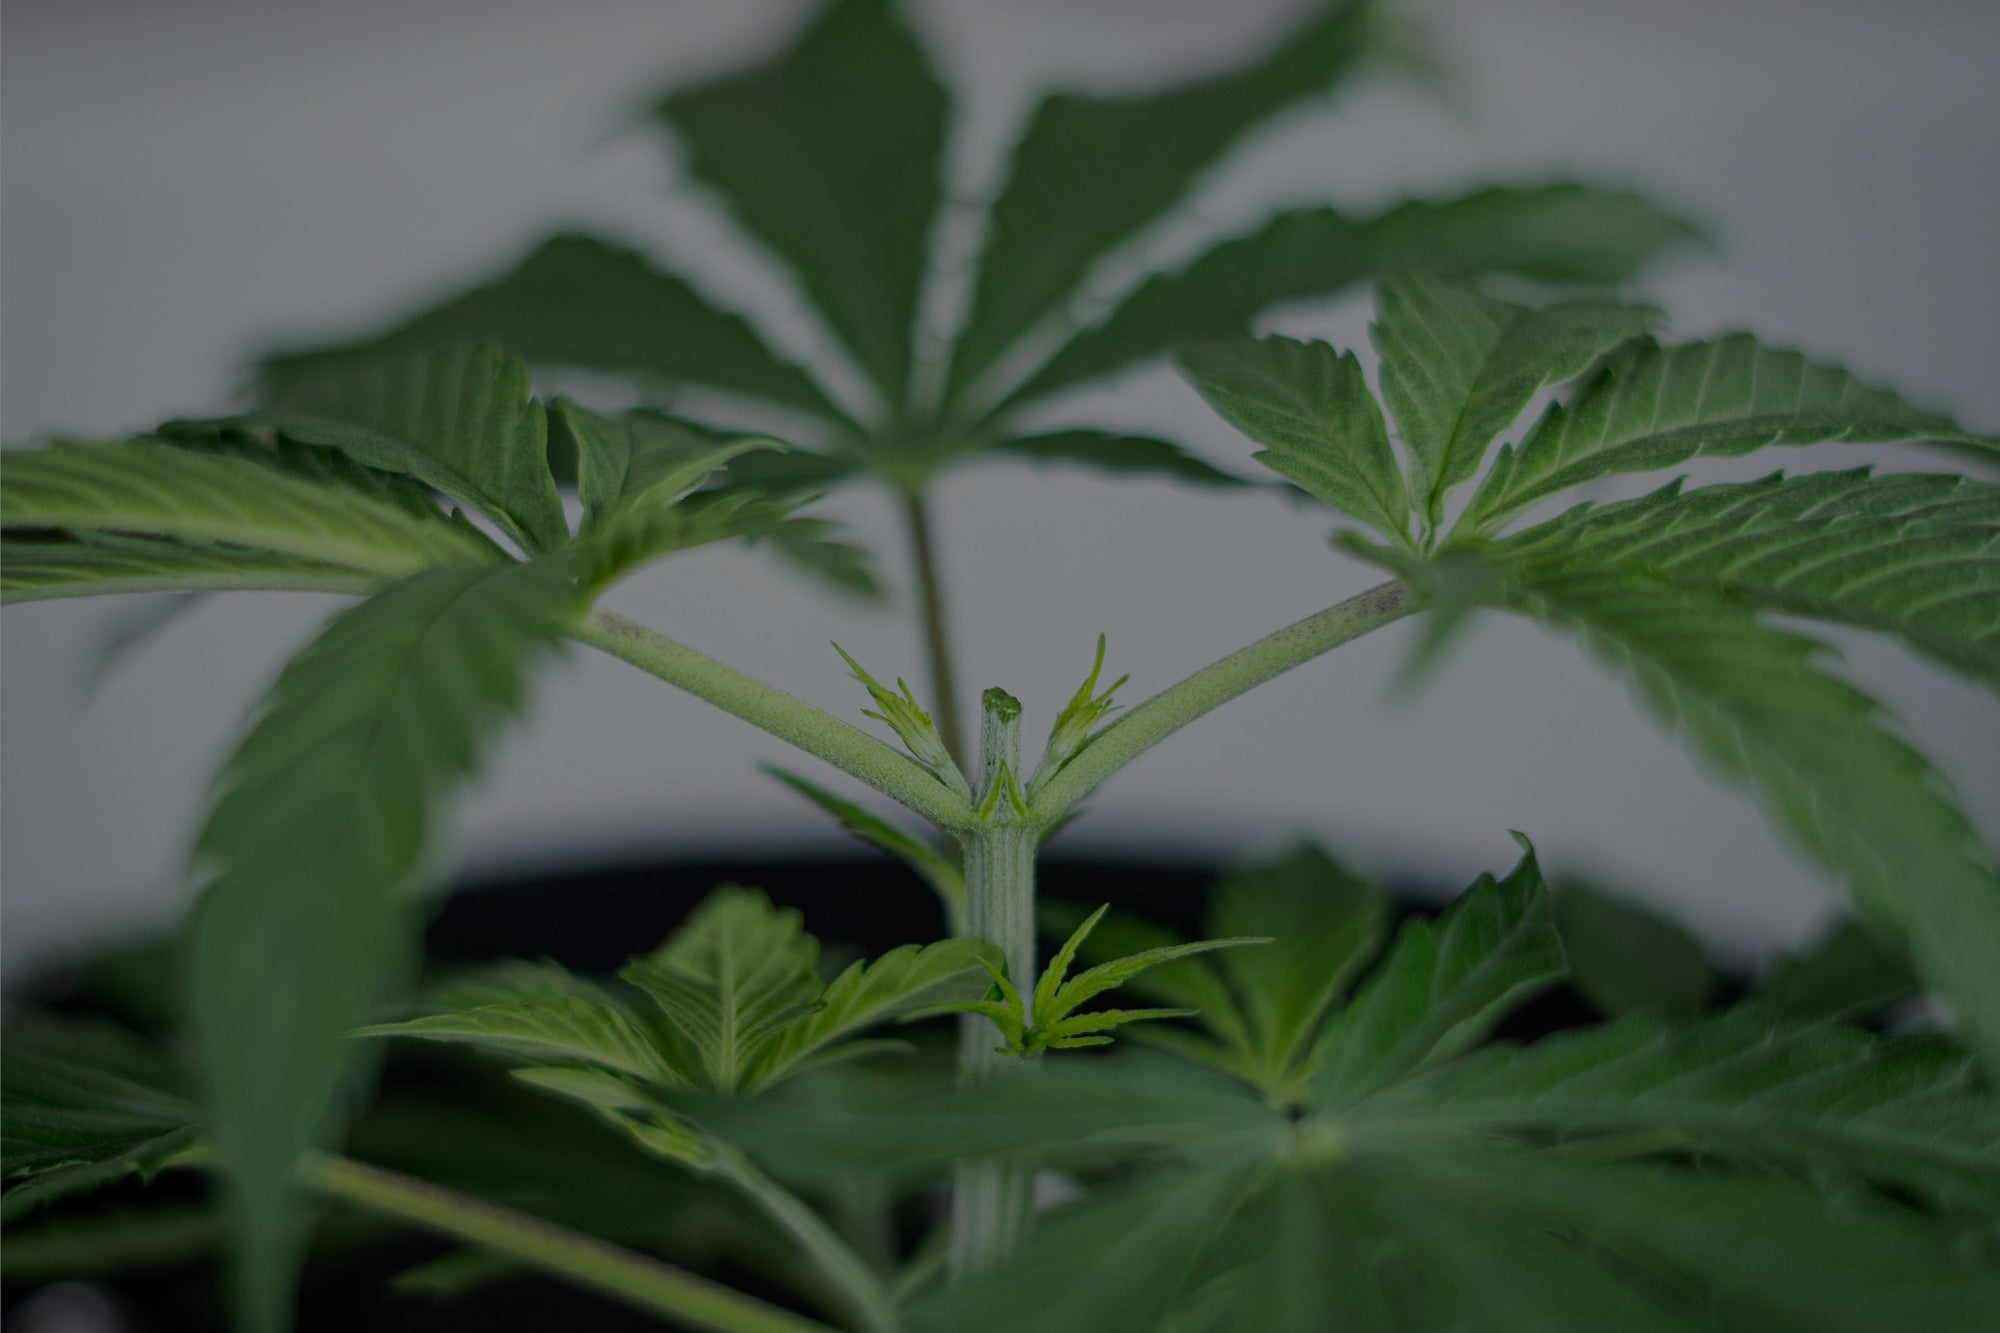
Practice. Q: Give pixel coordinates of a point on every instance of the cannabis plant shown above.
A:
(1327, 1126)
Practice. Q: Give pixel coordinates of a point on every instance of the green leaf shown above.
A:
(1443, 985)
(558, 1030)
(203, 511)
(830, 155)
(1558, 233)
(1459, 367)
(1306, 1263)
(641, 460)
(637, 535)
(1651, 407)
(317, 832)
(1310, 408)
(937, 869)
(1056, 217)
(1118, 454)
(597, 305)
(1907, 1111)
(1324, 924)
(731, 980)
(86, 1104)
(902, 714)
(456, 417)
(902, 981)
(1089, 984)
(35, 568)
(1624, 959)
(1849, 973)
(1753, 699)
(1916, 556)
(809, 547)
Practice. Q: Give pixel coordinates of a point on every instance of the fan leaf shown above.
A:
(1118, 454)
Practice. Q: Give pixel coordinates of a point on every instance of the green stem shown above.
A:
(791, 720)
(1213, 686)
(855, 1283)
(930, 612)
(648, 1284)
(991, 1200)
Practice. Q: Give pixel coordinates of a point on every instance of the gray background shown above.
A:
(185, 182)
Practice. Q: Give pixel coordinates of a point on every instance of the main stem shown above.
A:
(930, 610)
(991, 1200)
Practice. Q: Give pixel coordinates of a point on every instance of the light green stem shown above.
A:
(648, 1284)
(991, 1200)
(1213, 686)
(854, 1282)
(791, 720)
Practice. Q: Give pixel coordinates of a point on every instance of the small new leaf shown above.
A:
(1077, 725)
(902, 714)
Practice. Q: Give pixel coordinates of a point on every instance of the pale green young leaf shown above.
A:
(1558, 233)
(640, 460)
(1077, 725)
(1913, 555)
(1193, 983)
(1650, 407)
(902, 714)
(594, 304)
(1755, 701)
(1092, 982)
(1458, 368)
(1324, 924)
(544, 1030)
(731, 979)
(1119, 454)
(936, 869)
(35, 568)
(1310, 407)
(1442, 986)
(457, 417)
(1059, 964)
(218, 507)
(1055, 218)
(830, 155)
(1849, 973)
(1624, 959)
(305, 863)
(903, 981)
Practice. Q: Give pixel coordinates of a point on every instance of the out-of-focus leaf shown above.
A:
(1848, 973)
(1625, 959)
(641, 460)
(1118, 454)
(936, 868)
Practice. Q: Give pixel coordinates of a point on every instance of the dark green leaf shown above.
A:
(1850, 972)
(641, 460)
(1555, 233)
(1651, 407)
(1442, 985)
(1310, 408)
(810, 547)
(456, 417)
(937, 869)
(830, 156)
(1624, 959)
(545, 1029)
(1090, 172)
(93, 564)
(307, 857)
(590, 303)
(1120, 455)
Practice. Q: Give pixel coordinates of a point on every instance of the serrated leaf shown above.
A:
(1916, 556)
(212, 509)
(544, 1029)
(1458, 368)
(903, 981)
(1092, 982)
(936, 869)
(1754, 700)
(1559, 233)
(1624, 959)
(1848, 973)
(306, 859)
(1651, 407)
(640, 460)
(95, 564)
(830, 155)
(457, 417)
(731, 980)
(1055, 219)
(1194, 983)
(1442, 985)
(637, 535)
(595, 304)
(1310, 407)
(1118, 454)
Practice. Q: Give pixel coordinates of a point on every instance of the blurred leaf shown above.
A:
(582, 301)
(937, 868)
(554, 1030)
(1310, 408)
(456, 417)
(1119, 455)
(1459, 367)
(830, 156)
(809, 547)
(1556, 233)
(1651, 407)
(1056, 216)
(95, 564)
(1850, 973)
(317, 831)
(1625, 959)
(641, 460)
(1443, 985)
